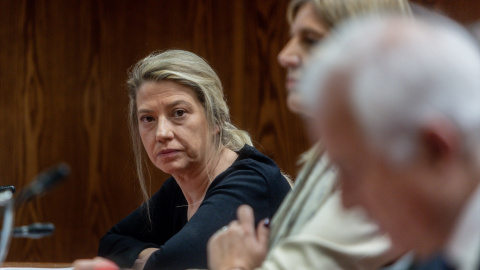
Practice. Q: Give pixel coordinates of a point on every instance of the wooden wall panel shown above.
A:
(62, 98)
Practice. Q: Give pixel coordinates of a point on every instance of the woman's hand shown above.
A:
(239, 246)
(97, 263)
(143, 257)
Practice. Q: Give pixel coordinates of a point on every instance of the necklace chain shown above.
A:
(190, 204)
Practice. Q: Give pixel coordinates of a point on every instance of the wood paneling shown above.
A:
(62, 98)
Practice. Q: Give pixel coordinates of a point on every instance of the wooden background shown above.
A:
(62, 98)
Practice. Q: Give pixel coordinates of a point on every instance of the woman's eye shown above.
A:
(310, 38)
(310, 41)
(146, 119)
(179, 113)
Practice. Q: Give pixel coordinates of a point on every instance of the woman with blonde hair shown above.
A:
(179, 118)
(311, 230)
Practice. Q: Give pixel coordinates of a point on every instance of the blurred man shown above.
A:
(475, 30)
(397, 104)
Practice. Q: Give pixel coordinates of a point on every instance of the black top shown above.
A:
(252, 179)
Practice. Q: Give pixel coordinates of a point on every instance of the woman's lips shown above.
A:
(167, 153)
(291, 84)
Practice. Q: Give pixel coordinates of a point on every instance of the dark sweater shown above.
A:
(252, 179)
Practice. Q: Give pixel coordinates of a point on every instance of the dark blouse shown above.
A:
(252, 179)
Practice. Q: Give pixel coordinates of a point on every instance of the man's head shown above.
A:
(475, 30)
(397, 105)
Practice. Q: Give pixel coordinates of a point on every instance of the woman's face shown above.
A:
(173, 127)
(306, 30)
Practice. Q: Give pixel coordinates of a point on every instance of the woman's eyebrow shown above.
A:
(144, 111)
(178, 102)
(168, 106)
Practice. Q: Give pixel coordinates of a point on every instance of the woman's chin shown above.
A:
(168, 168)
(294, 104)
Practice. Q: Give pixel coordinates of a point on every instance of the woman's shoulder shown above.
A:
(252, 168)
(253, 179)
(250, 154)
(249, 158)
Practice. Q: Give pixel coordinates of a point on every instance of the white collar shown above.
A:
(463, 247)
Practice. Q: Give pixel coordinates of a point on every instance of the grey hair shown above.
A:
(188, 69)
(399, 80)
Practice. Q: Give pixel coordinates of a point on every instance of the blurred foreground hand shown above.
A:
(97, 263)
(239, 245)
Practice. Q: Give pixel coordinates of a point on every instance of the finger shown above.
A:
(219, 232)
(263, 232)
(246, 218)
(104, 264)
(233, 223)
(83, 264)
(223, 229)
(97, 263)
(214, 242)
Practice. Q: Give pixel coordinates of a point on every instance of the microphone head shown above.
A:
(49, 178)
(45, 181)
(34, 231)
(11, 188)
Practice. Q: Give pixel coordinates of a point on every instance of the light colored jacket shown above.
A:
(312, 230)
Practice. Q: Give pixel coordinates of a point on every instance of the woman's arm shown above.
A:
(187, 249)
(143, 257)
(125, 241)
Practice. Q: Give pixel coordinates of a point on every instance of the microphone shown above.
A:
(34, 230)
(42, 183)
(11, 188)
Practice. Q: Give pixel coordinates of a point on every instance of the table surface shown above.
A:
(37, 264)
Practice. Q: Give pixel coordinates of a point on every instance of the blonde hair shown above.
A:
(332, 12)
(187, 69)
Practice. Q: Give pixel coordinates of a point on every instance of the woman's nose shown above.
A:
(164, 130)
(289, 56)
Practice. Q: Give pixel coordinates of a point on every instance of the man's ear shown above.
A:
(440, 141)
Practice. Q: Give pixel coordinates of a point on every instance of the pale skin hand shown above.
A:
(240, 246)
(96, 263)
(99, 263)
